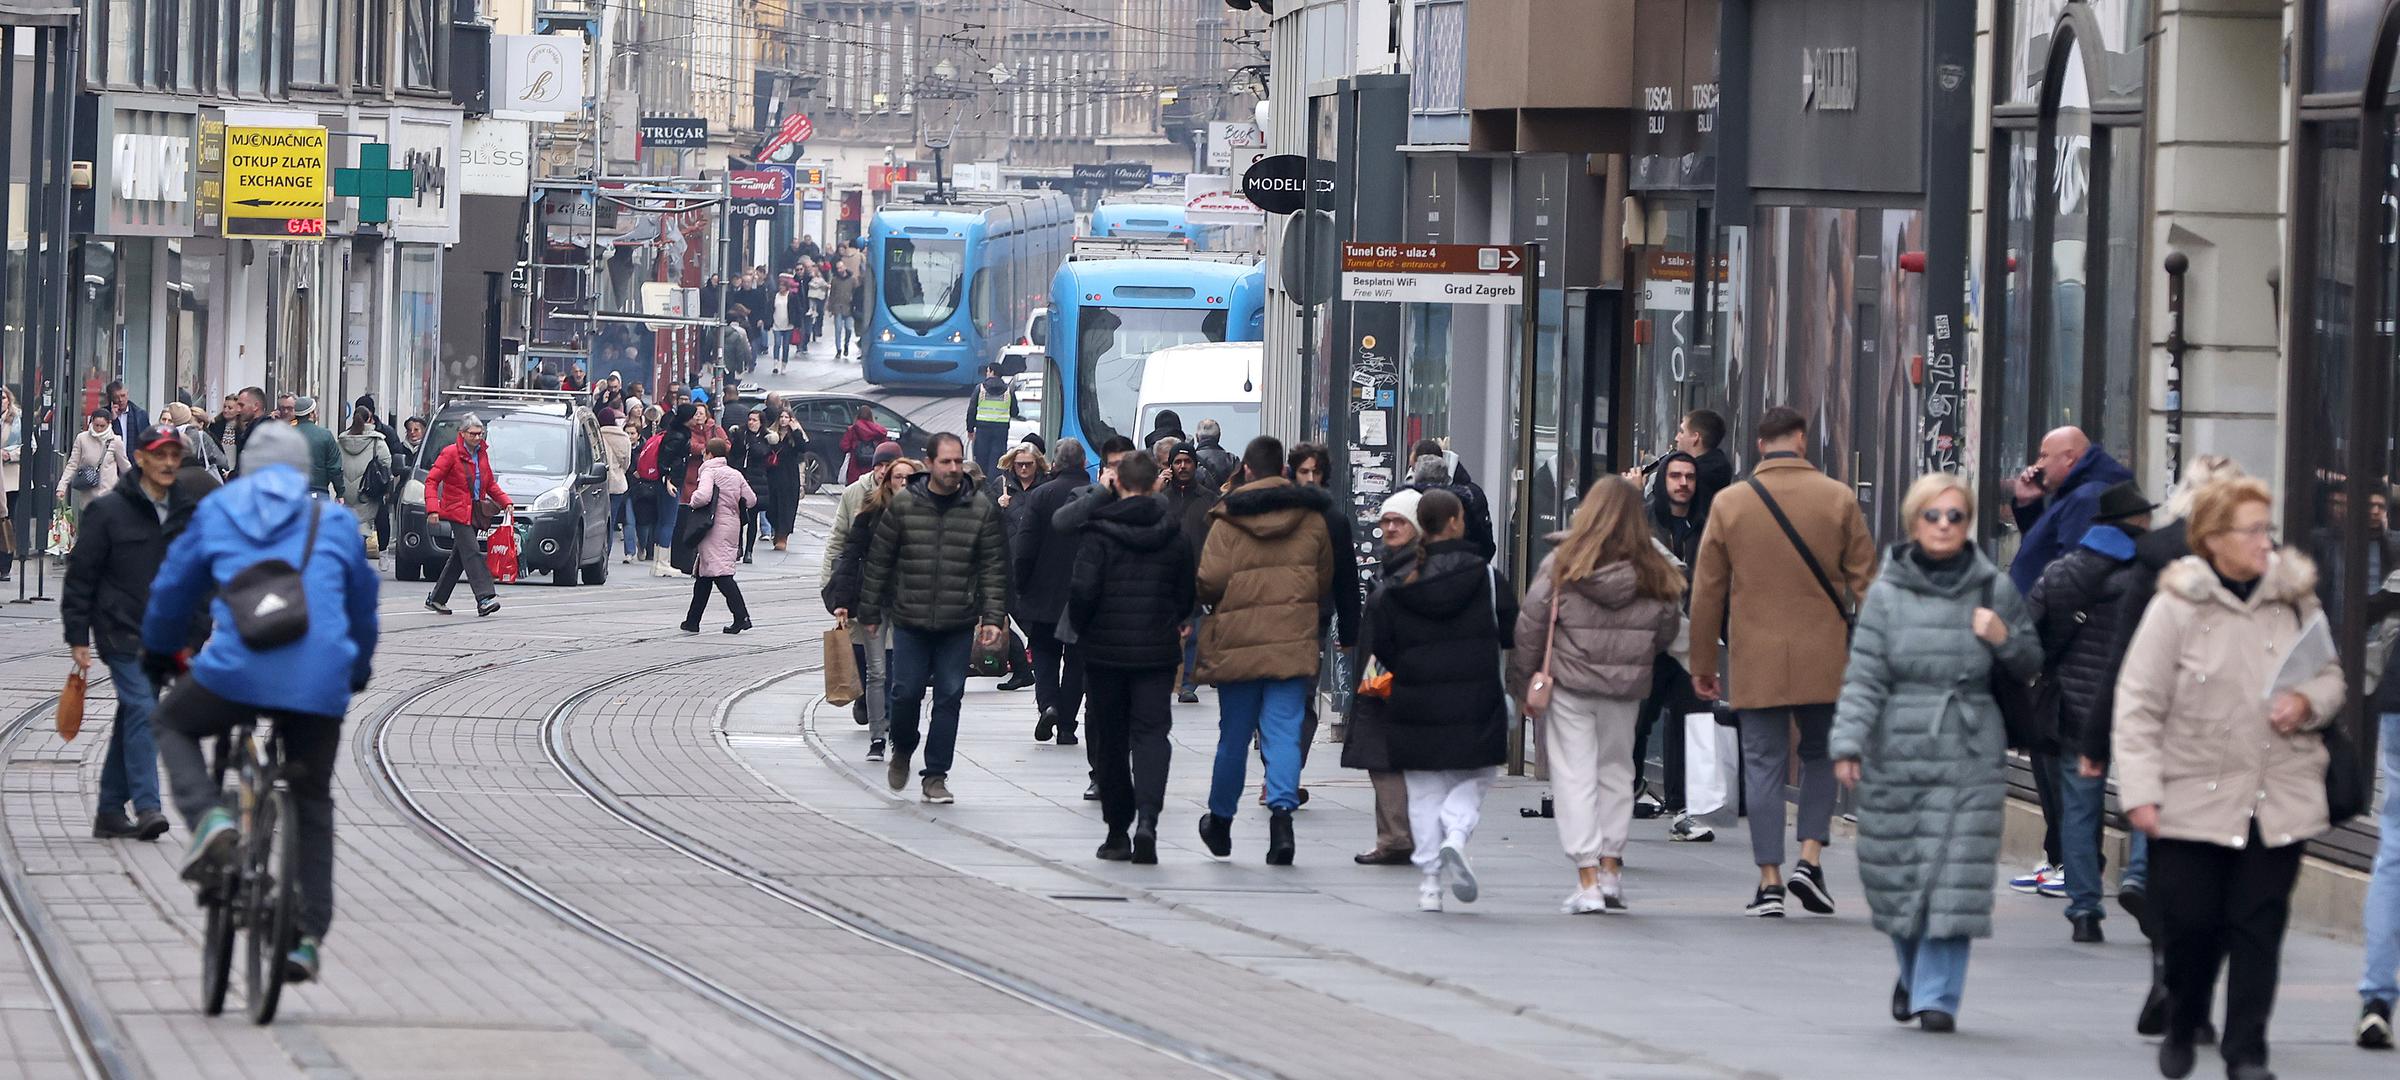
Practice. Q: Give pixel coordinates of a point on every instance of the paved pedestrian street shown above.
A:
(575, 842)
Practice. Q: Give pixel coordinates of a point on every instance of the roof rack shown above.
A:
(511, 393)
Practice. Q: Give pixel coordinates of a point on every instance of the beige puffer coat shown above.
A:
(1267, 563)
(1607, 634)
(2192, 735)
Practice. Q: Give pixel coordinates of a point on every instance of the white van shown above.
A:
(1216, 380)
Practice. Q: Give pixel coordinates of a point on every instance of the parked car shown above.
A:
(824, 416)
(546, 454)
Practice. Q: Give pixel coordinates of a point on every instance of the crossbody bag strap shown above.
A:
(1806, 555)
(1550, 636)
(308, 550)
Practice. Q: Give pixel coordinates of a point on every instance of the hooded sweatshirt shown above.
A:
(1132, 585)
(265, 515)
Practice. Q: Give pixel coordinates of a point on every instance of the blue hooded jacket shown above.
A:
(260, 516)
(2052, 529)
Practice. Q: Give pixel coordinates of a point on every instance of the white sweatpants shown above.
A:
(1444, 806)
(1587, 742)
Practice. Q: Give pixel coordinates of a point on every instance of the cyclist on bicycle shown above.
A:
(304, 686)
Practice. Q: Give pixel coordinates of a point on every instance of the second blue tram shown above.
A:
(1107, 315)
(949, 281)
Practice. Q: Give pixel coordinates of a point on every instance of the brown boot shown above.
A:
(779, 543)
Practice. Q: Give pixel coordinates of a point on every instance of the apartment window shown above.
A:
(421, 35)
(184, 28)
(373, 61)
(248, 65)
(316, 41)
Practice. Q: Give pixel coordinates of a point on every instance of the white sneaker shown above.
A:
(1688, 829)
(1462, 876)
(1612, 890)
(1583, 902)
(1429, 894)
(2031, 883)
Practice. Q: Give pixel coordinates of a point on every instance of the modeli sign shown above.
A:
(1278, 184)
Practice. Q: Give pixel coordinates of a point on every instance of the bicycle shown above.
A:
(260, 896)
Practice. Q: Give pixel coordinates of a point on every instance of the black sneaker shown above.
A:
(149, 825)
(1768, 904)
(112, 825)
(1808, 886)
(2375, 1026)
(1187, 697)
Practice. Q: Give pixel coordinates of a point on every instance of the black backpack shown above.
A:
(269, 599)
(375, 482)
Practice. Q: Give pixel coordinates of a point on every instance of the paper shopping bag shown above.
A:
(70, 706)
(842, 684)
(1703, 769)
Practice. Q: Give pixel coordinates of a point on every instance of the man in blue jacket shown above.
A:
(304, 686)
(2056, 499)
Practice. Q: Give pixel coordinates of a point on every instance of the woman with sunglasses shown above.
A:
(2220, 758)
(1919, 736)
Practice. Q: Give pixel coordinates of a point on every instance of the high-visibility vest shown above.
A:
(990, 410)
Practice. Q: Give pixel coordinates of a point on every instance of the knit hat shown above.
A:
(1404, 504)
(887, 451)
(274, 444)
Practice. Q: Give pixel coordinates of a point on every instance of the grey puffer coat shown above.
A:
(1917, 714)
(1607, 637)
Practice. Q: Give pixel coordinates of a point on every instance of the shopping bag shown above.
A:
(500, 551)
(70, 706)
(1703, 768)
(62, 532)
(842, 684)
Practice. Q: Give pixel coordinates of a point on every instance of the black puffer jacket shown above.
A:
(938, 562)
(2136, 583)
(119, 545)
(1133, 586)
(849, 574)
(1042, 557)
(2075, 609)
(1441, 638)
(1479, 514)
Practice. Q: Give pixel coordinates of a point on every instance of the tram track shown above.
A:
(96, 1044)
(556, 735)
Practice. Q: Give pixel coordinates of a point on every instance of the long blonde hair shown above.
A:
(1612, 527)
(880, 495)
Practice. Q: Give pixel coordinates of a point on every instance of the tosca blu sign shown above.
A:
(1433, 273)
(274, 183)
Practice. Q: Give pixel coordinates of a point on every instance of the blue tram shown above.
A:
(950, 279)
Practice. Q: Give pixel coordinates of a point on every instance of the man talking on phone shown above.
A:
(938, 569)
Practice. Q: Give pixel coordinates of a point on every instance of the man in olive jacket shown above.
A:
(1789, 639)
(1266, 568)
(938, 569)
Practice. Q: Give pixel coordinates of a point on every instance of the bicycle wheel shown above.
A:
(271, 861)
(216, 951)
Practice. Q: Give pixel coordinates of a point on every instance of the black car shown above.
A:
(546, 454)
(825, 417)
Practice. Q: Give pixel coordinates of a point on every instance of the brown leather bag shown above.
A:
(70, 706)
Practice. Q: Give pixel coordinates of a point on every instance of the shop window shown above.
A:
(316, 41)
(190, 282)
(421, 37)
(420, 326)
(1428, 379)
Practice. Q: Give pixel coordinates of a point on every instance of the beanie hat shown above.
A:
(1404, 504)
(274, 444)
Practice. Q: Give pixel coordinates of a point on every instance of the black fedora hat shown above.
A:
(2122, 500)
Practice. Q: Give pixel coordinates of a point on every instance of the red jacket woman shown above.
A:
(863, 433)
(461, 474)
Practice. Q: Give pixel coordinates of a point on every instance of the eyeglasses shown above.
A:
(2260, 531)
(473, 433)
(1937, 517)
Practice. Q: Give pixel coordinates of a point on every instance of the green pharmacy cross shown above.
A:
(375, 183)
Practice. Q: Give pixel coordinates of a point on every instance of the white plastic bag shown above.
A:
(1703, 766)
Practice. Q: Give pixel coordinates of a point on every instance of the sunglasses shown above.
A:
(1937, 517)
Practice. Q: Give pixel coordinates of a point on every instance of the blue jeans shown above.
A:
(1934, 970)
(663, 533)
(2382, 979)
(2137, 863)
(620, 518)
(1271, 710)
(935, 658)
(2080, 804)
(1191, 653)
(130, 772)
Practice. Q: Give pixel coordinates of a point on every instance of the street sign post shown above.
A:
(1434, 273)
(275, 182)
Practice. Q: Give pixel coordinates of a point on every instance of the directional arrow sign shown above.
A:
(1432, 273)
(274, 182)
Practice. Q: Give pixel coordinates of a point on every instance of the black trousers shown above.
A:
(1126, 737)
(2220, 905)
(733, 599)
(644, 495)
(312, 745)
(1057, 671)
(2045, 790)
(783, 500)
(1670, 700)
